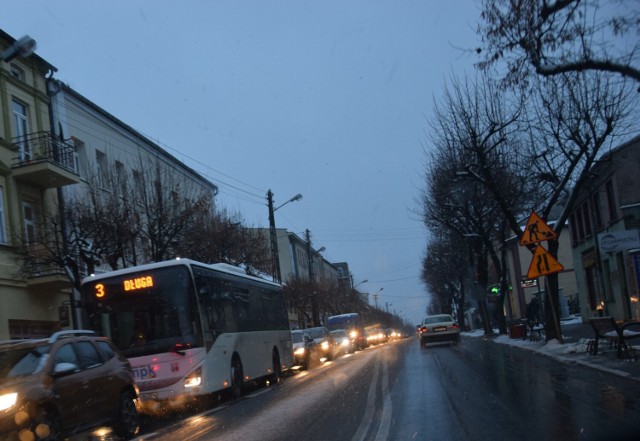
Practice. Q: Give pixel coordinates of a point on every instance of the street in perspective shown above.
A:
(320, 220)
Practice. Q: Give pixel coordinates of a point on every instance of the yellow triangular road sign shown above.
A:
(543, 263)
(536, 231)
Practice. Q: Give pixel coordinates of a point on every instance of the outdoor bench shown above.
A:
(606, 328)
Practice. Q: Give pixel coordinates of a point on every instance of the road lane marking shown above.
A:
(365, 424)
(385, 419)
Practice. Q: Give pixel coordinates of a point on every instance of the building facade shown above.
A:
(57, 146)
(34, 166)
(604, 235)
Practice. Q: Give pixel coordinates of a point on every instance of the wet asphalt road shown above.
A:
(476, 391)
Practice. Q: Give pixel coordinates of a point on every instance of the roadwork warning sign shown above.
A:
(543, 263)
(536, 231)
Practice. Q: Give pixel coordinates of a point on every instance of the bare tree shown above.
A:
(569, 120)
(560, 36)
(446, 272)
(473, 129)
(222, 237)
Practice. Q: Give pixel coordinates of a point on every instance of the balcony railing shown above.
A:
(44, 161)
(42, 147)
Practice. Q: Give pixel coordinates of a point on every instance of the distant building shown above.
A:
(604, 235)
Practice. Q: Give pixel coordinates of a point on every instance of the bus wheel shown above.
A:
(236, 377)
(277, 367)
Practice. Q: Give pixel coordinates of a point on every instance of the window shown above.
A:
(101, 160)
(29, 223)
(17, 72)
(138, 182)
(89, 356)
(611, 201)
(3, 231)
(586, 218)
(121, 177)
(580, 225)
(80, 157)
(597, 214)
(20, 129)
(573, 226)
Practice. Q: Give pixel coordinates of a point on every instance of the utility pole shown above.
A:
(314, 300)
(275, 259)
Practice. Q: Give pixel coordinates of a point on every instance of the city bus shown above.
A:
(191, 329)
(352, 323)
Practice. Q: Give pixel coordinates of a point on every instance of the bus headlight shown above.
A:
(194, 379)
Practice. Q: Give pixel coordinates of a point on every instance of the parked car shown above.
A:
(71, 382)
(305, 350)
(344, 343)
(438, 328)
(325, 342)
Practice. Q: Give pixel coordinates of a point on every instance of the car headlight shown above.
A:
(194, 378)
(345, 342)
(8, 400)
(324, 345)
(354, 334)
(299, 351)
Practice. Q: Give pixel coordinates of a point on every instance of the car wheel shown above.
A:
(47, 425)
(236, 377)
(127, 422)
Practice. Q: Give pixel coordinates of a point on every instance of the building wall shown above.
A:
(26, 302)
(608, 203)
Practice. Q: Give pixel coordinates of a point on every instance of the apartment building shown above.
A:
(604, 235)
(56, 146)
(34, 166)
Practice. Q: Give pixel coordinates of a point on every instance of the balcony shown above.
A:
(44, 161)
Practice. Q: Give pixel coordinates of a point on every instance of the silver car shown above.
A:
(438, 328)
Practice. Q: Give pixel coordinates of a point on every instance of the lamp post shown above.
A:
(22, 47)
(275, 259)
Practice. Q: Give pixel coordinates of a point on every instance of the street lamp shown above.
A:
(275, 259)
(360, 283)
(22, 47)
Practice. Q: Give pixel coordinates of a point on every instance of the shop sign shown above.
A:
(618, 241)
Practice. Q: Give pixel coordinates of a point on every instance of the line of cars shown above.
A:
(316, 345)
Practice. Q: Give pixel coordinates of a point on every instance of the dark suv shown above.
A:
(69, 383)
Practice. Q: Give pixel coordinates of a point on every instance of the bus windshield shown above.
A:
(147, 312)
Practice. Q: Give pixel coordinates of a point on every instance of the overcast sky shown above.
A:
(326, 98)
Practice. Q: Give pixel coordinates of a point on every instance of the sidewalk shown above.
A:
(576, 335)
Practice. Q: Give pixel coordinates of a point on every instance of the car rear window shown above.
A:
(439, 319)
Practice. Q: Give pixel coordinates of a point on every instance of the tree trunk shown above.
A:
(552, 301)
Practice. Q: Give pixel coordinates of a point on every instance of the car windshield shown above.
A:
(339, 333)
(316, 333)
(23, 361)
(296, 337)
